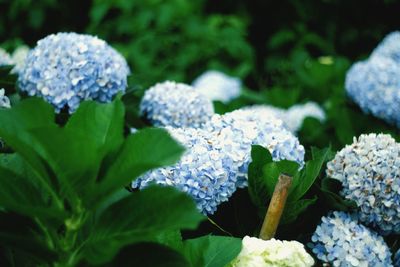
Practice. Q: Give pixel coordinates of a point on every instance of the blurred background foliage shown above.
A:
(286, 52)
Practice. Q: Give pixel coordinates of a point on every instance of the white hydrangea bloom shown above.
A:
(296, 114)
(5, 58)
(18, 57)
(293, 117)
(218, 86)
(271, 253)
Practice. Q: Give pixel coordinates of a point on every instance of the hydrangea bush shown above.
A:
(100, 170)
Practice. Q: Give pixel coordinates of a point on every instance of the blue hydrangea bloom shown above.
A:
(240, 129)
(5, 58)
(343, 242)
(369, 170)
(374, 85)
(216, 85)
(175, 104)
(204, 172)
(67, 68)
(389, 47)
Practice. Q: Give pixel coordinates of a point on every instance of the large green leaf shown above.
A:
(140, 217)
(212, 251)
(14, 126)
(147, 149)
(103, 123)
(260, 156)
(20, 192)
(72, 155)
(309, 174)
(273, 170)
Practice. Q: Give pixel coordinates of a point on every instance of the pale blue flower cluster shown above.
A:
(240, 129)
(175, 104)
(204, 172)
(374, 84)
(67, 68)
(389, 47)
(342, 241)
(216, 85)
(369, 170)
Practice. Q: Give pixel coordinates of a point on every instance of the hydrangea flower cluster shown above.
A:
(67, 68)
(389, 47)
(260, 253)
(342, 241)
(175, 104)
(4, 101)
(5, 58)
(216, 85)
(240, 129)
(374, 84)
(369, 170)
(293, 117)
(204, 172)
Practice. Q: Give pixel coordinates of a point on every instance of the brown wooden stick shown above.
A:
(276, 207)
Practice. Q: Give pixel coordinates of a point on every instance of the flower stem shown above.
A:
(276, 207)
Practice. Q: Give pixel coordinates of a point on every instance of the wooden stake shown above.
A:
(276, 207)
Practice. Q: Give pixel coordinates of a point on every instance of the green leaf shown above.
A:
(260, 156)
(172, 239)
(144, 216)
(309, 174)
(294, 209)
(20, 192)
(103, 123)
(212, 251)
(15, 124)
(330, 188)
(147, 149)
(148, 255)
(72, 155)
(274, 169)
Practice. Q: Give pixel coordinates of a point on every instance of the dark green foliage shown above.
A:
(264, 173)
(69, 194)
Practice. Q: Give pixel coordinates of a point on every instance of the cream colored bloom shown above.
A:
(272, 253)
